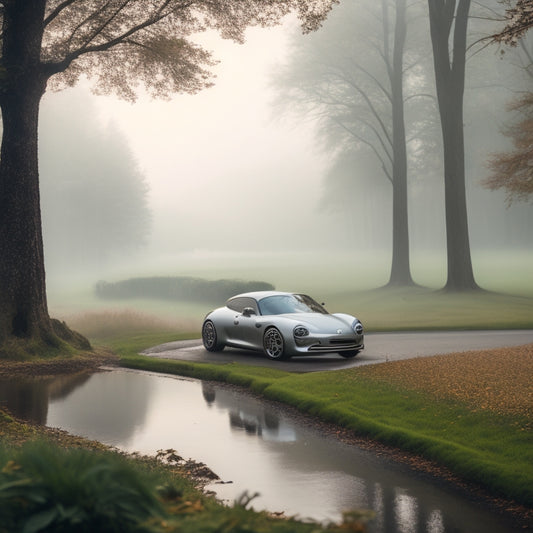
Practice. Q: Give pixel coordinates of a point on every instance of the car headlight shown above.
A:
(300, 331)
(357, 327)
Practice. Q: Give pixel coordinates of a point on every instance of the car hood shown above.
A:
(317, 322)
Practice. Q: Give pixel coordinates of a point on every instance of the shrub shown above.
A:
(178, 288)
(44, 488)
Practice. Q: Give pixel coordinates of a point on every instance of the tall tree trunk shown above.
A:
(400, 269)
(450, 82)
(23, 305)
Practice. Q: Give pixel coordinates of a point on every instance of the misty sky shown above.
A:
(218, 157)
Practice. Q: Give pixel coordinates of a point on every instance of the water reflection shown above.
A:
(254, 419)
(331, 475)
(115, 408)
(28, 398)
(342, 477)
(294, 468)
(108, 403)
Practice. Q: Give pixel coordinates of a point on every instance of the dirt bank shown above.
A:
(85, 361)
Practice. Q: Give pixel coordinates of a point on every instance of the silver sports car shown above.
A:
(281, 324)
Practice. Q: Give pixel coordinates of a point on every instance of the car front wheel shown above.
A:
(273, 344)
(209, 337)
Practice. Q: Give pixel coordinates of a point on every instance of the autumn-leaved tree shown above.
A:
(513, 171)
(121, 45)
(519, 19)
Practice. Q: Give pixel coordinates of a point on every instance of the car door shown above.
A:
(244, 328)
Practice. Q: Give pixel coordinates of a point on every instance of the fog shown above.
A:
(228, 186)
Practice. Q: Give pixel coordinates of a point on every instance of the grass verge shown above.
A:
(463, 416)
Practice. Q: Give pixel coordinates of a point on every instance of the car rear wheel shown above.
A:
(209, 337)
(348, 354)
(273, 344)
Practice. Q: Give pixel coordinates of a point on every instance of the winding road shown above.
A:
(379, 347)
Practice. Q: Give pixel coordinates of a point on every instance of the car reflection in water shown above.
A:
(253, 419)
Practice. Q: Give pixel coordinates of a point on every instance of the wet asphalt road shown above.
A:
(379, 347)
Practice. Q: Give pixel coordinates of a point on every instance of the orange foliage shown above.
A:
(513, 171)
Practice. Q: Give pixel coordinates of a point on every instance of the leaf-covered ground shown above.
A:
(499, 380)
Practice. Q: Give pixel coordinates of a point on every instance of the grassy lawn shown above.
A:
(420, 308)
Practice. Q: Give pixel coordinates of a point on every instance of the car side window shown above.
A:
(250, 302)
(238, 304)
(235, 304)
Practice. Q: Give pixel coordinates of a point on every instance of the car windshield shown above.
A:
(289, 303)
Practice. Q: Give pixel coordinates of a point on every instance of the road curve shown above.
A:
(379, 347)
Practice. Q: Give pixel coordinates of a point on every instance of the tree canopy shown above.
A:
(124, 43)
(512, 171)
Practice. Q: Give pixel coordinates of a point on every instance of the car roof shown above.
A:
(259, 295)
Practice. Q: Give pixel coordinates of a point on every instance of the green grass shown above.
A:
(492, 450)
(45, 488)
(420, 308)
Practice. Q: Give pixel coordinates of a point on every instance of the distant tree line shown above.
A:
(94, 197)
(179, 288)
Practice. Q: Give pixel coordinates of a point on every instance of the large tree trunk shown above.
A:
(23, 306)
(400, 269)
(450, 81)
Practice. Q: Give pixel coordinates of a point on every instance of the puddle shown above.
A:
(253, 445)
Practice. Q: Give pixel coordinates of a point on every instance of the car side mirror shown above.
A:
(248, 311)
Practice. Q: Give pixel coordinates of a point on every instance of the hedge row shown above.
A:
(178, 288)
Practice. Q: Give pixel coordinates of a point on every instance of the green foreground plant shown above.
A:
(44, 488)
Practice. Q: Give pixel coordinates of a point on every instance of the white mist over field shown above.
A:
(234, 190)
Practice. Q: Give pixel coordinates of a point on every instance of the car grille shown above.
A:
(335, 345)
(341, 341)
